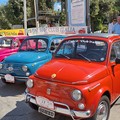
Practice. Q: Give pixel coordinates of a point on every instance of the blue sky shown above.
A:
(3, 1)
(57, 6)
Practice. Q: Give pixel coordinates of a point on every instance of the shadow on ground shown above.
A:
(24, 112)
(11, 89)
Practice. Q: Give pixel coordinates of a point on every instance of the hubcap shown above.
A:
(102, 111)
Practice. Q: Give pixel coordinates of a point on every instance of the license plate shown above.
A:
(44, 102)
(9, 78)
(46, 112)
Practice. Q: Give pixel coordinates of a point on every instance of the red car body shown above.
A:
(9, 45)
(83, 87)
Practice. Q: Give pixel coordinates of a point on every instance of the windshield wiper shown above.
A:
(84, 57)
(65, 56)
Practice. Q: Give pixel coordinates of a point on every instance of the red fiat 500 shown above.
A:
(82, 80)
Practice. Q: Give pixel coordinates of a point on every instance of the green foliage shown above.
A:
(11, 14)
(4, 23)
(101, 12)
(62, 19)
(14, 11)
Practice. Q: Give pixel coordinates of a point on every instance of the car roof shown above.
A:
(49, 37)
(103, 35)
(22, 36)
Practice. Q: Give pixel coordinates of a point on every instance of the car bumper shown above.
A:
(17, 78)
(67, 111)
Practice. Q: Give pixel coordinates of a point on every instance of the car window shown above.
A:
(56, 42)
(41, 45)
(33, 45)
(5, 42)
(94, 50)
(115, 51)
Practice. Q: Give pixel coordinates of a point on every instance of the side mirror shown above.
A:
(117, 61)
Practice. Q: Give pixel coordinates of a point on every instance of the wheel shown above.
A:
(103, 110)
(33, 106)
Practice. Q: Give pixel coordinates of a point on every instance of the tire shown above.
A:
(103, 108)
(33, 106)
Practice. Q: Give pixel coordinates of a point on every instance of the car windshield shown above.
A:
(85, 49)
(34, 45)
(5, 42)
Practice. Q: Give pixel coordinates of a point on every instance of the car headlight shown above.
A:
(1, 65)
(24, 68)
(29, 83)
(76, 95)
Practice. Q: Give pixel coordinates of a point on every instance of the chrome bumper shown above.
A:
(66, 111)
(17, 78)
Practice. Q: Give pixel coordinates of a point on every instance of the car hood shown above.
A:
(72, 72)
(26, 57)
(4, 50)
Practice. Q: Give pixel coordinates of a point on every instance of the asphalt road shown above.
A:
(13, 106)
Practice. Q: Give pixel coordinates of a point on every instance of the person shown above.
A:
(110, 26)
(116, 27)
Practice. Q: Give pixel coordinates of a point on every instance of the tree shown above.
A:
(100, 12)
(14, 12)
(4, 23)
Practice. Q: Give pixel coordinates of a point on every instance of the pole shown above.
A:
(66, 11)
(88, 15)
(36, 13)
(25, 17)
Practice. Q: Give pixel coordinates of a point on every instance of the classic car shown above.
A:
(82, 80)
(33, 53)
(9, 45)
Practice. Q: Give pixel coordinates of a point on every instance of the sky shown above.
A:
(3, 1)
(57, 6)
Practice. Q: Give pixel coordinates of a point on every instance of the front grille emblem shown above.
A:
(53, 75)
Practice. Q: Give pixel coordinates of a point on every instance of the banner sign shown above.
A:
(13, 32)
(57, 30)
(77, 12)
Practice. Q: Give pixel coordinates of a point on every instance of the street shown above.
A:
(13, 106)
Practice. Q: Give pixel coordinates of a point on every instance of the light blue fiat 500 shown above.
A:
(33, 53)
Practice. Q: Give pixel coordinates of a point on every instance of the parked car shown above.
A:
(9, 45)
(33, 53)
(81, 81)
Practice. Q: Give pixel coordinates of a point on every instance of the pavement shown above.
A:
(13, 106)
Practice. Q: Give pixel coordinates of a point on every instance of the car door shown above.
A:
(115, 68)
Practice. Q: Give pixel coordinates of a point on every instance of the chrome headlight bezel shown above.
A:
(1, 65)
(10, 68)
(76, 95)
(25, 68)
(29, 83)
